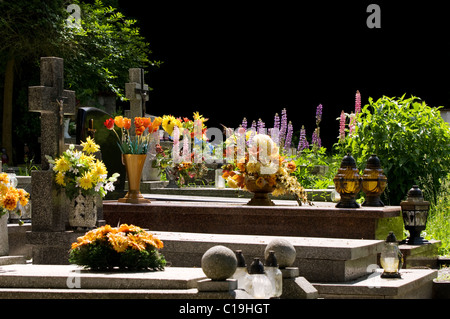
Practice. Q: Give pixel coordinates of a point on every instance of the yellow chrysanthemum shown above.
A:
(86, 181)
(61, 165)
(60, 179)
(4, 178)
(87, 159)
(90, 146)
(118, 241)
(9, 201)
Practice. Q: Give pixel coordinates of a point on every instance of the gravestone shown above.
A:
(53, 102)
(108, 145)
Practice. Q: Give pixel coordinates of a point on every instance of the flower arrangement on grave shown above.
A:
(257, 166)
(183, 165)
(81, 172)
(139, 143)
(11, 198)
(127, 247)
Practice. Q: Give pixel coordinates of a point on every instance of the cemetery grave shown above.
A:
(337, 250)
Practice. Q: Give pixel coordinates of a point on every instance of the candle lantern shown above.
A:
(415, 213)
(259, 285)
(391, 258)
(348, 183)
(373, 182)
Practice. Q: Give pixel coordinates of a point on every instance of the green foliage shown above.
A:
(438, 223)
(100, 51)
(410, 138)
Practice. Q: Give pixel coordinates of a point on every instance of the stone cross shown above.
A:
(53, 102)
(137, 92)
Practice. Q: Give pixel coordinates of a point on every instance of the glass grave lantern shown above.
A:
(348, 183)
(415, 213)
(391, 258)
(374, 182)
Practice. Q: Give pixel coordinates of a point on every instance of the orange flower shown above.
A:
(140, 130)
(155, 125)
(9, 201)
(291, 166)
(146, 121)
(138, 122)
(126, 123)
(118, 120)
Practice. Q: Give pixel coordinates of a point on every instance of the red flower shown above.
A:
(109, 123)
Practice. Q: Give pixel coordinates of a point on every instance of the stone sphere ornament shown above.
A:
(284, 251)
(219, 263)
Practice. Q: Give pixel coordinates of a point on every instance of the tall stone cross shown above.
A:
(137, 92)
(53, 102)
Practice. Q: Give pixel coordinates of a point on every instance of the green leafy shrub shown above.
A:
(410, 138)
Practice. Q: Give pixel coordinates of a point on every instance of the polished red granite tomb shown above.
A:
(320, 220)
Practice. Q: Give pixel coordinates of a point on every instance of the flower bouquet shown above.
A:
(127, 247)
(179, 162)
(80, 172)
(255, 164)
(139, 143)
(11, 198)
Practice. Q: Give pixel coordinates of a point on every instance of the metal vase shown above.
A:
(134, 164)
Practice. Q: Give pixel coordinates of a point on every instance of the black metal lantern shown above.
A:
(415, 212)
(348, 183)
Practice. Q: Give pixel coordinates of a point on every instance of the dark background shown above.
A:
(230, 59)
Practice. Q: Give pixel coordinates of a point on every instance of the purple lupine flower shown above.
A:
(342, 127)
(253, 127)
(318, 114)
(276, 121)
(316, 138)
(303, 142)
(357, 102)
(260, 126)
(244, 123)
(283, 126)
(290, 131)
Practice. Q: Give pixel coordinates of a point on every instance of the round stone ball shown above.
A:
(219, 263)
(284, 252)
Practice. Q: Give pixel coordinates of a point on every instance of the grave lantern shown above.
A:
(259, 285)
(373, 182)
(391, 258)
(415, 212)
(348, 183)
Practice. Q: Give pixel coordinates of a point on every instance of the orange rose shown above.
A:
(291, 166)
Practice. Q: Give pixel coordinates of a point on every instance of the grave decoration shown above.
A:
(126, 247)
(255, 165)
(391, 258)
(11, 199)
(348, 183)
(180, 164)
(134, 150)
(84, 179)
(415, 214)
(374, 182)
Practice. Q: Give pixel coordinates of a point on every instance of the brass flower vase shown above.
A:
(374, 182)
(134, 164)
(260, 194)
(348, 183)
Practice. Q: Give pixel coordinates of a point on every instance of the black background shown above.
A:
(230, 59)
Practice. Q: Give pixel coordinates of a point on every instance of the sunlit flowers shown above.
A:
(79, 171)
(11, 198)
(108, 247)
(261, 161)
(143, 129)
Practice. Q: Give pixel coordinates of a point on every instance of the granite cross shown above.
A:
(137, 92)
(53, 102)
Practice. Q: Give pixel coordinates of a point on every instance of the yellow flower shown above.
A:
(98, 169)
(169, 122)
(4, 178)
(87, 159)
(61, 165)
(118, 241)
(90, 146)
(9, 201)
(118, 120)
(60, 179)
(86, 181)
